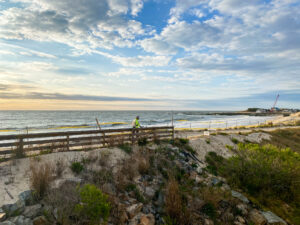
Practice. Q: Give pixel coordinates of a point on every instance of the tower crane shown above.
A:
(276, 100)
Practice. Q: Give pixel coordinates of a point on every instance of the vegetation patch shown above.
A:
(266, 172)
(94, 205)
(126, 148)
(77, 167)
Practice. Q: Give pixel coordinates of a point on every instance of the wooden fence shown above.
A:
(80, 140)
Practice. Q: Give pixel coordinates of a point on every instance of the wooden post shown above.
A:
(98, 124)
(173, 130)
(68, 143)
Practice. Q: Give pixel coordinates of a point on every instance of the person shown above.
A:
(136, 123)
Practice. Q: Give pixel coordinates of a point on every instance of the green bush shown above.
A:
(207, 141)
(265, 169)
(209, 210)
(234, 140)
(142, 141)
(126, 148)
(267, 173)
(76, 167)
(94, 204)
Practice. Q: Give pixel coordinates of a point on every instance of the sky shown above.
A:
(149, 54)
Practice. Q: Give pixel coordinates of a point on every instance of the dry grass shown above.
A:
(41, 176)
(143, 163)
(104, 159)
(60, 167)
(177, 214)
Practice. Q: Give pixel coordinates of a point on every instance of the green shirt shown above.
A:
(137, 123)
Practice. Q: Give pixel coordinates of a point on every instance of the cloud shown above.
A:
(82, 25)
(59, 96)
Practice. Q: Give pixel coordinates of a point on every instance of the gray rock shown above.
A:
(175, 149)
(149, 192)
(27, 197)
(14, 209)
(239, 196)
(215, 181)
(7, 223)
(273, 219)
(21, 220)
(199, 170)
(32, 211)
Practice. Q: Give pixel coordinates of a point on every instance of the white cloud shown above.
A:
(136, 6)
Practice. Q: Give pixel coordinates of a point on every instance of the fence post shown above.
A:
(132, 136)
(21, 146)
(68, 143)
(173, 133)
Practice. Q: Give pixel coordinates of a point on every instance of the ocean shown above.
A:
(17, 122)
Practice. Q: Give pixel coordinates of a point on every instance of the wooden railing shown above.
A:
(80, 140)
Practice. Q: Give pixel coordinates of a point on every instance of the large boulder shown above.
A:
(257, 218)
(273, 219)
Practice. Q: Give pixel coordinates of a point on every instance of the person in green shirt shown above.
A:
(136, 123)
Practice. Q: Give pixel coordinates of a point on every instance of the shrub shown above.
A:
(126, 148)
(94, 204)
(60, 167)
(213, 160)
(41, 178)
(76, 167)
(207, 141)
(132, 187)
(266, 169)
(267, 173)
(229, 147)
(143, 165)
(142, 141)
(234, 140)
(209, 210)
(173, 203)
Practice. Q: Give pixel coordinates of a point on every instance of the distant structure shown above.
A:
(276, 100)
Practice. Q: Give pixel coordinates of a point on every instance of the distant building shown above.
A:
(260, 111)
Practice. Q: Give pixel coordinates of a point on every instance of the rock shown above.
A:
(240, 219)
(14, 209)
(175, 149)
(208, 222)
(149, 192)
(109, 188)
(27, 197)
(273, 219)
(242, 208)
(133, 210)
(257, 218)
(7, 223)
(21, 220)
(215, 181)
(41, 220)
(147, 220)
(239, 196)
(199, 170)
(199, 179)
(32, 211)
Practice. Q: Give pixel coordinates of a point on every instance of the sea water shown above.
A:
(16, 122)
